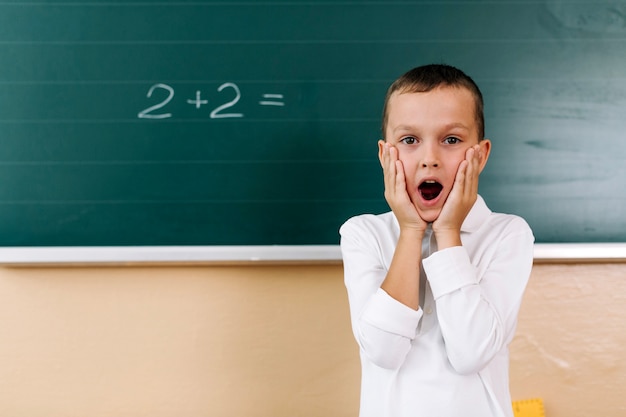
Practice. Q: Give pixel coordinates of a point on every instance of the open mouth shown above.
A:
(430, 189)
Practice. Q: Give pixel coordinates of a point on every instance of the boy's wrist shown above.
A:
(448, 238)
(412, 233)
(413, 230)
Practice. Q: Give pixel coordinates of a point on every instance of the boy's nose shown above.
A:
(432, 164)
(430, 158)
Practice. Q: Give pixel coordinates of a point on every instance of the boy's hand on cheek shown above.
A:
(395, 191)
(462, 197)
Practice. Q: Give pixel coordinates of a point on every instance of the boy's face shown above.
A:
(432, 132)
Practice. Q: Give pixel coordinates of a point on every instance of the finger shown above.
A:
(475, 170)
(470, 184)
(460, 185)
(476, 160)
(391, 163)
(398, 170)
(390, 172)
(385, 162)
(400, 183)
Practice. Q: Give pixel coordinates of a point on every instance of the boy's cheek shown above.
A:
(405, 165)
(406, 161)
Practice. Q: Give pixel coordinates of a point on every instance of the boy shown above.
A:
(436, 284)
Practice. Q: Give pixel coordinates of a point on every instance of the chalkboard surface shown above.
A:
(255, 123)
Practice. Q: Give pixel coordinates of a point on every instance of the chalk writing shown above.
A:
(229, 95)
(216, 114)
(147, 113)
(198, 101)
(272, 102)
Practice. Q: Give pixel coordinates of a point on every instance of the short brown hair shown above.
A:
(428, 77)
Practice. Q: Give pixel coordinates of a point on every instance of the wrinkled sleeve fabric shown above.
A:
(382, 326)
(478, 303)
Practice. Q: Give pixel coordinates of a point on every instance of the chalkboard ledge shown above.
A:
(579, 252)
(229, 255)
(122, 255)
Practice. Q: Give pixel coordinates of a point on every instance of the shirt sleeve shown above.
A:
(477, 307)
(383, 327)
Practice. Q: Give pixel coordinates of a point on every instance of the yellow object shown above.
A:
(528, 408)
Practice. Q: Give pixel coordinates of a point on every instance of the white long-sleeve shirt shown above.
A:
(450, 357)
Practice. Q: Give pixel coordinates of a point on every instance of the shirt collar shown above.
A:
(476, 217)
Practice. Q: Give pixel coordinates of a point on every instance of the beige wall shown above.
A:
(571, 339)
(267, 341)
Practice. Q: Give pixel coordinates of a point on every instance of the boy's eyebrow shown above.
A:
(404, 127)
(456, 125)
(448, 126)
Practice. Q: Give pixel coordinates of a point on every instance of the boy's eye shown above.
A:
(409, 140)
(451, 140)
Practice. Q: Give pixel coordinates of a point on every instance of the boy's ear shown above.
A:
(485, 149)
(381, 148)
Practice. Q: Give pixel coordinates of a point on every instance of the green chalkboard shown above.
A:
(255, 123)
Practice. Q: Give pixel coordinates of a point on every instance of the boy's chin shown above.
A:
(429, 215)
